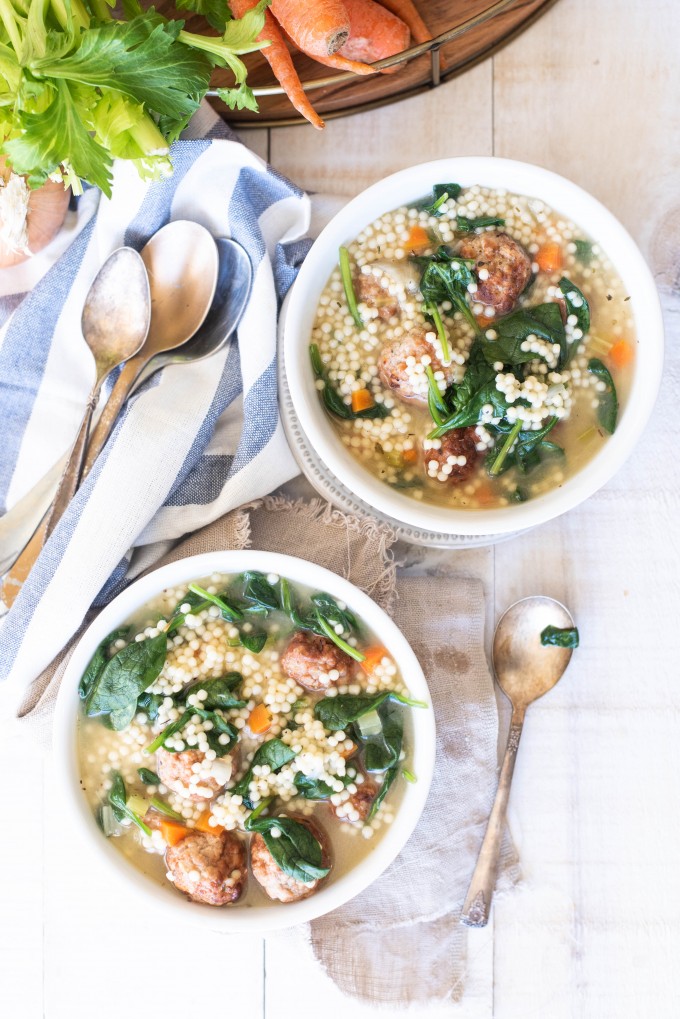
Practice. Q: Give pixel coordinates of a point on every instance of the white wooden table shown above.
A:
(591, 91)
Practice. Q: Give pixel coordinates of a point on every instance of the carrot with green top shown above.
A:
(281, 62)
(408, 12)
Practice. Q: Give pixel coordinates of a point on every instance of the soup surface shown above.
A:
(472, 349)
(243, 724)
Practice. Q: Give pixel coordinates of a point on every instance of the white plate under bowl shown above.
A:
(331, 488)
(123, 876)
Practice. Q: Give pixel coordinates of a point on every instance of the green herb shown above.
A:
(126, 675)
(607, 403)
(468, 225)
(409, 776)
(81, 87)
(295, 850)
(446, 277)
(98, 661)
(584, 251)
(544, 321)
(228, 611)
(500, 458)
(215, 12)
(348, 284)
(576, 305)
(220, 691)
(169, 731)
(433, 311)
(332, 399)
(163, 808)
(274, 753)
(118, 800)
(436, 402)
(336, 713)
(553, 636)
(314, 788)
(440, 194)
(148, 777)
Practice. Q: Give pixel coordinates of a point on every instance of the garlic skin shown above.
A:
(29, 219)
(14, 197)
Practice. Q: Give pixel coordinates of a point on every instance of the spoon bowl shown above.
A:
(525, 670)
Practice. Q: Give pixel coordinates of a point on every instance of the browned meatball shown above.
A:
(358, 806)
(403, 376)
(459, 442)
(370, 291)
(275, 883)
(507, 264)
(209, 868)
(310, 659)
(190, 775)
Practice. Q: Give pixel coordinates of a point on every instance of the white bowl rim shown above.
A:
(522, 178)
(257, 919)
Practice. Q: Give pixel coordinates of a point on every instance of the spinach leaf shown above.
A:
(229, 612)
(275, 753)
(120, 718)
(253, 641)
(440, 193)
(333, 402)
(150, 703)
(220, 691)
(389, 778)
(328, 607)
(259, 591)
(446, 277)
(608, 403)
(382, 751)
(314, 788)
(98, 661)
(477, 389)
(336, 713)
(553, 636)
(221, 727)
(576, 304)
(148, 777)
(468, 225)
(526, 454)
(584, 252)
(544, 321)
(118, 800)
(295, 850)
(126, 675)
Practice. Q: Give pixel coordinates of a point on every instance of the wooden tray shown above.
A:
(466, 31)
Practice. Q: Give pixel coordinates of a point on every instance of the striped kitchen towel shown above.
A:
(195, 442)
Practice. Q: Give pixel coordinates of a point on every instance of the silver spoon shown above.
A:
(234, 282)
(525, 670)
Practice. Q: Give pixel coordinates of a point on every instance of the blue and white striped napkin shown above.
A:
(195, 442)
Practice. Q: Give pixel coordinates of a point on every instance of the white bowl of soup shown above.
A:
(244, 739)
(473, 346)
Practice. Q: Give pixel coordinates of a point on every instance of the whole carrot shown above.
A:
(407, 11)
(280, 62)
(375, 33)
(317, 27)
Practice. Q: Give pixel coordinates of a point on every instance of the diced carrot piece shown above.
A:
(410, 456)
(173, 832)
(418, 238)
(485, 493)
(549, 257)
(260, 719)
(373, 658)
(362, 400)
(621, 354)
(203, 824)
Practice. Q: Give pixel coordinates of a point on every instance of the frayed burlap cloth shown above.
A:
(400, 941)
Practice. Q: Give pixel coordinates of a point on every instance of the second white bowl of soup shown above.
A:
(245, 740)
(473, 345)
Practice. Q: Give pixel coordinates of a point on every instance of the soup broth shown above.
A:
(472, 350)
(255, 722)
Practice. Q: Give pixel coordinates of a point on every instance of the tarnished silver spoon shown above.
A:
(525, 670)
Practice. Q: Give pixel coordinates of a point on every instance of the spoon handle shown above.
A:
(70, 479)
(119, 394)
(477, 903)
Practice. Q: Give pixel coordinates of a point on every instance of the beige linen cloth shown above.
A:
(399, 942)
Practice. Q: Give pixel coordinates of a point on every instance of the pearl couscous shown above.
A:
(472, 349)
(240, 719)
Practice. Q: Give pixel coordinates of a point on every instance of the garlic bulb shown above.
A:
(28, 219)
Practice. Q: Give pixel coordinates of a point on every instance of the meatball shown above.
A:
(277, 884)
(505, 264)
(358, 806)
(406, 377)
(312, 661)
(445, 458)
(209, 868)
(191, 775)
(369, 290)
